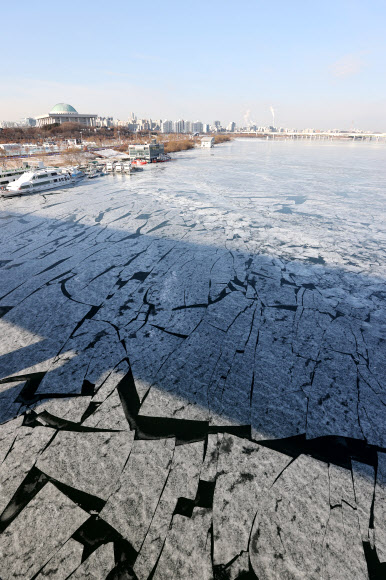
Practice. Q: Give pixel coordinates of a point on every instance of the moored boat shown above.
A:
(138, 162)
(40, 180)
(9, 175)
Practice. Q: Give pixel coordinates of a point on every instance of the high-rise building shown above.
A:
(217, 125)
(179, 126)
(167, 126)
(197, 127)
(144, 124)
(104, 122)
(206, 128)
(231, 126)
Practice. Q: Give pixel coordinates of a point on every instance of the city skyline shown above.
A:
(64, 113)
(317, 66)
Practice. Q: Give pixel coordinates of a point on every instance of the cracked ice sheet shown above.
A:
(211, 239)
(194, 265)
(42, 527)
(98, 350)
(36, 330)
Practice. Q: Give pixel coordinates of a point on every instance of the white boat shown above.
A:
(119, 167)
(127, 167)
(40, 180)
(110, 165)
(9, 175)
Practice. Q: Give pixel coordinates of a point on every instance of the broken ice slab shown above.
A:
(245, 471)
(65, 408)
(97, 565)
(187, 550)
(364, 486)
(41, 528)
(27, 447)
(182, 482)
(109, 415)
(89, 462)
(296, 528)
(342, 552)
(131, 507)
(380, 508)
(209, 466)
(8, 432)
(9, 405)
(63, 563)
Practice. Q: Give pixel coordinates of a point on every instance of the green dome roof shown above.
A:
(63, 108)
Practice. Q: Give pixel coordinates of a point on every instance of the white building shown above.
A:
(179, 126)
(27, 122)
(63, 113)
(231, 126)
(167, 126)
(104, 122)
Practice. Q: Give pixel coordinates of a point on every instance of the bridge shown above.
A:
(323, 135)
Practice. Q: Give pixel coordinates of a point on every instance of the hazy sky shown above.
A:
(318, 64)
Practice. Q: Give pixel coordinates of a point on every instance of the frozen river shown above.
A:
(193, 369)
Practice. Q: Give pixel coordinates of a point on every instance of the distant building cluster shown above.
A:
(25, 122)
(135, 125)
(64, 113)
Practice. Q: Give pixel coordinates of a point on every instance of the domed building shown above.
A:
(64, 113)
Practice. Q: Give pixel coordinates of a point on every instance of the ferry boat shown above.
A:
(41, 180)
(9, 175)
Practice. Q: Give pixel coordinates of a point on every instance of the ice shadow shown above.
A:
(199, 338)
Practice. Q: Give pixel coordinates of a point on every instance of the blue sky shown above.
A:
(318, 64)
